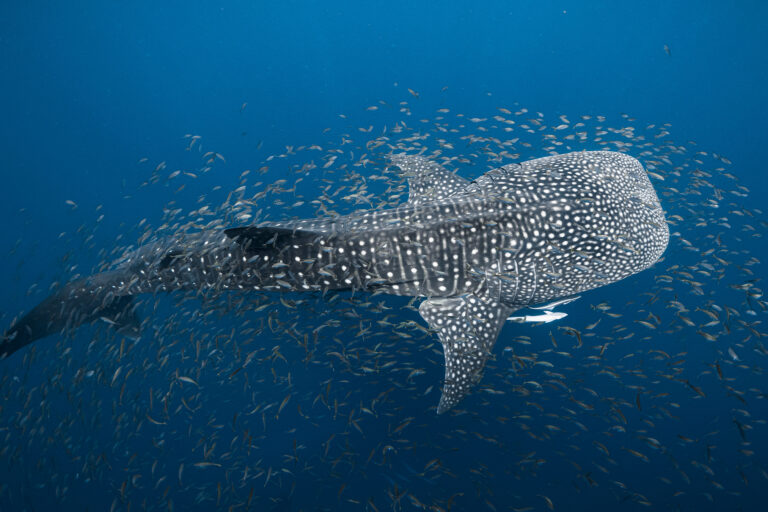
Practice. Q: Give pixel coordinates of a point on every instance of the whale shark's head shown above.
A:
(595, 209)
(615, 203)
(637, 213)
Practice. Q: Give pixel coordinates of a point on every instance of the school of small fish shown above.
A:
(286, 401)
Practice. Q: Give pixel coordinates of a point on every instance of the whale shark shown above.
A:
(476, 251)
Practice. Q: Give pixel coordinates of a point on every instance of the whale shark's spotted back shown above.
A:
(583, 220)
(611, 199)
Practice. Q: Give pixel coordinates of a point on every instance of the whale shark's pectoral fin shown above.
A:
(467, 327)
(427, 180)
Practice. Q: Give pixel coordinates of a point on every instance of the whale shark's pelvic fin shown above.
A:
(427, 180)
(121, 314)
(467, 327)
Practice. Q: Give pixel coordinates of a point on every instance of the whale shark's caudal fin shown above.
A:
(467, 327)
(77, 303)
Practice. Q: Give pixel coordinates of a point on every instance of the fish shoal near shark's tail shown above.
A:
(176, 263)
(79, 302)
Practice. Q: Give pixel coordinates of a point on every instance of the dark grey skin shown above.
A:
(519, 235)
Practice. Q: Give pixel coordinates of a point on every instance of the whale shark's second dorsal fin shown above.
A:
(427, 180)
(269, 239)
(467, 327)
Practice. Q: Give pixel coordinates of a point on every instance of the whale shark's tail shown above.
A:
(80, 302)
(180, 263)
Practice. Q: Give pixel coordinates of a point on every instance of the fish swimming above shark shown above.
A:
(520, 235)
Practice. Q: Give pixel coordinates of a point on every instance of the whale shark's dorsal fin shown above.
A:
(427, 180)
(467, 327)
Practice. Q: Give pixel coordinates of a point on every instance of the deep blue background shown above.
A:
(89, 88)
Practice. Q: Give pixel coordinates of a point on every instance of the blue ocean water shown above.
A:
(90, 90)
